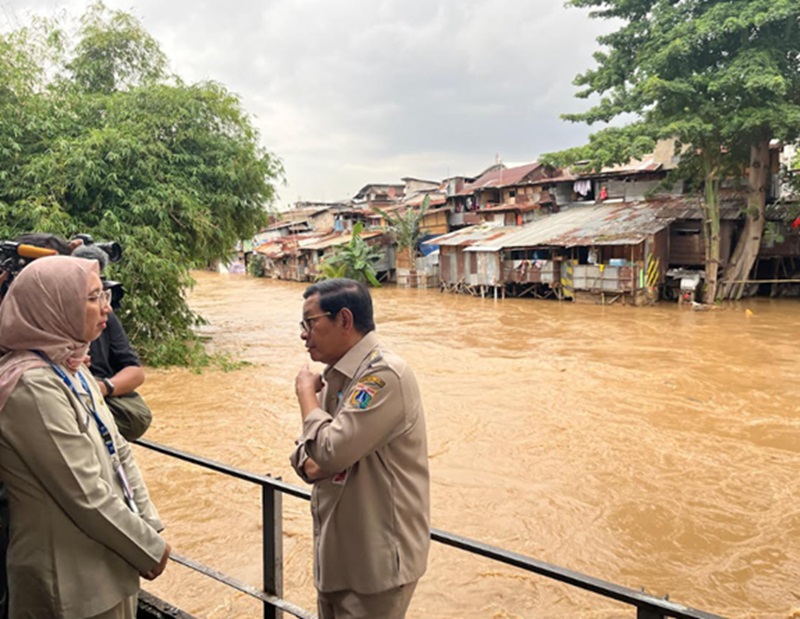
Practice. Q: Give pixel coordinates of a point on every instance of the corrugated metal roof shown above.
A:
(500, 178)
(435, 200)
(471, 235)
(337, 238)
(286, 245)
(687, 208)
(523, 206)
(603, 224)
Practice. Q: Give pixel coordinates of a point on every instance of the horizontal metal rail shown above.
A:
(243, 587)
(648, 606)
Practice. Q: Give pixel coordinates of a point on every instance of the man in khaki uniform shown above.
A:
(364, 448)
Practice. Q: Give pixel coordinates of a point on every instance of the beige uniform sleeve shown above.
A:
(298, 459)
(48, 438)
(371, 415)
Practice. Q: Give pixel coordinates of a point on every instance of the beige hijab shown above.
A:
(45, 310)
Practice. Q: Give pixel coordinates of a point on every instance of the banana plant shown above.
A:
(355, 260)
(406, 229)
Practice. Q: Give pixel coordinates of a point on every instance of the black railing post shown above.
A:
(272, 540)
(648, 613)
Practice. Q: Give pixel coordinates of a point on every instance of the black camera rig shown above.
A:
(112, 249)
(16, 255)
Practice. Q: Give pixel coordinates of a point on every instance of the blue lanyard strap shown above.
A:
(127, 491)
(104, 433)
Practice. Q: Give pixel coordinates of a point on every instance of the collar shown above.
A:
(348, 365)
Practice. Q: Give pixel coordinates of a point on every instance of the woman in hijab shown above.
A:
(83, 528)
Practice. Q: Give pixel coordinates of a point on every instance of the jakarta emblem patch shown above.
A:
(362, 395)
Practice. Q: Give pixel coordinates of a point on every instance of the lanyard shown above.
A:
(127, 491)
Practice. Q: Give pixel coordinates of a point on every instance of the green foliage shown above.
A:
(193, 355)
(256, 266)
(712, 74)
(406, 228)
(607, 147)
(773, 234)
(355, 260)
(332, 270)
(696, 69)
(97, 138)
(114, 53)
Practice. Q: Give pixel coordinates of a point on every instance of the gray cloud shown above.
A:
(349, 92)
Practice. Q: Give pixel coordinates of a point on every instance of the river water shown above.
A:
(657, 448)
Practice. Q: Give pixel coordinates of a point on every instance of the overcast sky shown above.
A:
(351, 92)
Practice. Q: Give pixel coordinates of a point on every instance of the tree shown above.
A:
(722, 77)
(406, 229)
(355, 260)
(97, 137)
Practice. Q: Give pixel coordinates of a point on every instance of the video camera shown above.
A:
(15, 255)
(112, 248)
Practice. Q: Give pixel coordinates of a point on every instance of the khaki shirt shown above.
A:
(76, 549)
(372, 511)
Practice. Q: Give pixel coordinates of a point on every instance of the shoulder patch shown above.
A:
(374, 381)
(361, 396)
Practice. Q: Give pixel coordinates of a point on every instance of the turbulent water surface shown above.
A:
(658, 448)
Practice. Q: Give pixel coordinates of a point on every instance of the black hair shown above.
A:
(92, 252)
(337, 293)
(46, 240)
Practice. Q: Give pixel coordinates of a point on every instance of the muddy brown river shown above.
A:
(658, 448)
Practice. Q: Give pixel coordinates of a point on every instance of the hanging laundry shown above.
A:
(582, 187)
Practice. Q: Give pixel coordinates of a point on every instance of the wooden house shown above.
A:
(473, 272)
(498, 186)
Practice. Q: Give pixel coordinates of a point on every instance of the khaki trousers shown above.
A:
(391, 604)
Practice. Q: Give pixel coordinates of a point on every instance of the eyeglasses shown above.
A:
(101, 298)
(307, 323)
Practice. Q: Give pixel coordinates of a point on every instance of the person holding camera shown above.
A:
(83, 528)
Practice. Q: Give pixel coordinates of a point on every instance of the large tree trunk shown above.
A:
(710, 208)
(744, 255)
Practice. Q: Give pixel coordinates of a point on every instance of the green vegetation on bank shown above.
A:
(97, 136)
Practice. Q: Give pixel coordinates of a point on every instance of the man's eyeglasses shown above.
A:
(101, 298)
(308, 322)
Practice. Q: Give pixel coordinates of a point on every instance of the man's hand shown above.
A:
(307, 381)
(312, 470)
(306, 386)
(158, 569)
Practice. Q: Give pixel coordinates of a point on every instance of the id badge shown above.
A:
(127, 491)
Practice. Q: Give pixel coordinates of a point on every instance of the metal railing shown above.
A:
(272, 491)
